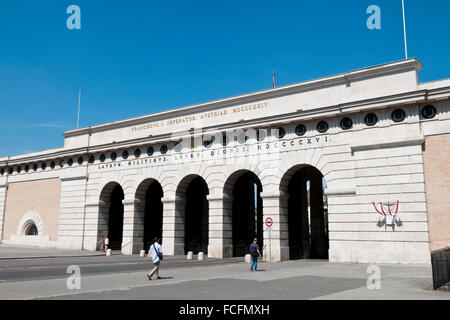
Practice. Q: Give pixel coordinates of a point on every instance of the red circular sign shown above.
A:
(269, 222)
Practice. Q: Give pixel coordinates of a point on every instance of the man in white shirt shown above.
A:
(155, 252)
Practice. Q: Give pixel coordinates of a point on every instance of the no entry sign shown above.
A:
(269, 222)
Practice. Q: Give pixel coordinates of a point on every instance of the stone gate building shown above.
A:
(321, 158)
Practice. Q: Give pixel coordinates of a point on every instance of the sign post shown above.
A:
(269, 224)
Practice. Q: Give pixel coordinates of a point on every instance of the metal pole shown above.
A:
(404, 29)
(79, 103)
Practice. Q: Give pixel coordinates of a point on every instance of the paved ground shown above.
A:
(22, 252)
(124, 277)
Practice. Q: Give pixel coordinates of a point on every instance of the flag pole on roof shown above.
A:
(404, 29)
(273, 81)
(79, 103)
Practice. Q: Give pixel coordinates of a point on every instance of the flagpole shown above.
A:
(79, 103)
(404, 29)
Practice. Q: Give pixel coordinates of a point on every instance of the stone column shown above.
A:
(133, 227)
(276, 241)
(220, 237)
(173, 226)
(93, 225)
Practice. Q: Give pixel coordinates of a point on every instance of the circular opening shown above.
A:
(322, 126)
(371, 119)
(35, 167)
(346, 123)
(125, 154)
(27, 168)
(91, 159)
(80, 160)
(280, 133)
(43, 166)
(61, 163)
(137, 153)
(2, 171)
(163, 149)
(398, 115)
(428, 112)
(102, 157)
(300, 130)
(19, 169)
(52, 165)
(70, 162)
(11, 170)
(150, 151)
(260, 135)
(113, 156)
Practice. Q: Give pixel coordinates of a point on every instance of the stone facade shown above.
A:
(362, 164)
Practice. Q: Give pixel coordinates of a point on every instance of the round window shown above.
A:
(163, 149)
(125, 154)
(322, 126)
(70, 162)
(61, 163)
(43, 165)
(280, 133)
(35, 167)
(137, 153)
(102, 157)
(27, 168)
(11, 170)
(398, 115)
(91, 159)
(346, 123)
(300, 130)
(428, 112)
(150, 151)
(52, 165)
(80, 160)
(19, 169)
(2, 171)
(371, 119)
(260, 134)
(113, 156)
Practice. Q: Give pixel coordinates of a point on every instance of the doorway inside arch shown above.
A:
(153, 214)
(115, 218)
(307, 215)
(196, 217)
(247, 213)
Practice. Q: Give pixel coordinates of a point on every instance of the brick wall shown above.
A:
(437, 184)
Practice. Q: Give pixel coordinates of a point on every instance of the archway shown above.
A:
(191, 194)
(242, 192)
(307, 217)
(149, 212)
(111, 214)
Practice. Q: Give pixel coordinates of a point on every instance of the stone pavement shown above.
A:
(25, 252)
(301, 279)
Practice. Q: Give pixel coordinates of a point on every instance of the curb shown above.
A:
(51, 257)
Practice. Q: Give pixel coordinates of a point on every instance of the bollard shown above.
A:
(201, 256)
(189, 255)
(248, 258)
(108, 252)
(142, 253)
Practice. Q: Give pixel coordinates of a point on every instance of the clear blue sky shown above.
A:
(137, 57)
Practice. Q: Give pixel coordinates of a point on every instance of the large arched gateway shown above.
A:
(377, 136)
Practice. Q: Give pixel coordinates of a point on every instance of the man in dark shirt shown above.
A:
(254, 252)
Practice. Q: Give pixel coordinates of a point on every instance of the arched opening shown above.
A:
(31, 229)
(111, 214)
(191, 196)
(153, 214)
(243, 191)
(307, 214)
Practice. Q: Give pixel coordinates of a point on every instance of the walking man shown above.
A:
(155, 252)
(254, 252)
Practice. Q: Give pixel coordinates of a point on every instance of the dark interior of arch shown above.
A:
(308, 237)
(115, 223)
(247, 214)
(196, 217)
(153, 215)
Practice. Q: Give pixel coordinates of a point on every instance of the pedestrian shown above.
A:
(106, 243)
(254, 252)
(155, 252)
(102, 244)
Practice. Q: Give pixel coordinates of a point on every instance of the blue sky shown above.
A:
(137, 57)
